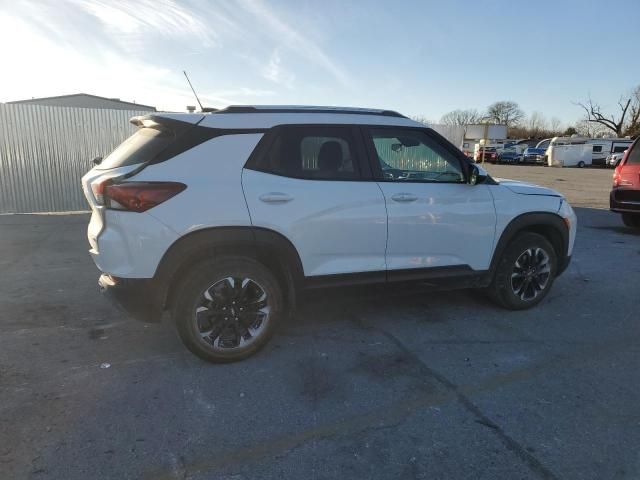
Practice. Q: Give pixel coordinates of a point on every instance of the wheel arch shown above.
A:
(270, 248)
(549, 225)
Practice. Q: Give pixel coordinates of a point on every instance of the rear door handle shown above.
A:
(404, 197)
(275, 197)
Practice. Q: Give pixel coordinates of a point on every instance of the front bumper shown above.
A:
(563, 263)
(135, 297)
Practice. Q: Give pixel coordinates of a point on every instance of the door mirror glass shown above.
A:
(474, 175)
(477, 175)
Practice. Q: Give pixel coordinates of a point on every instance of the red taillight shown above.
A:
(139, 196)
(617, 176)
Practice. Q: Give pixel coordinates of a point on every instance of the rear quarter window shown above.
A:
(140, 147)
(634, 154)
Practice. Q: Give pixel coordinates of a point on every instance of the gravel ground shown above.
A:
(583, 187)
(363, 383)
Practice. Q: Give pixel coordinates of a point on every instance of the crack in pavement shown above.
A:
(532, 462)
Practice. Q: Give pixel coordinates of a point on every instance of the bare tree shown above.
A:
(633, 127)
(422, 119)
(586, 128)
(555, 125)
(505, 113)
(613, 122)
(461, 117)
(536, 124)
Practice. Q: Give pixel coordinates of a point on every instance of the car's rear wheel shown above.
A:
(581, 164)
(631, 219)
(525, 272)
(226, 310)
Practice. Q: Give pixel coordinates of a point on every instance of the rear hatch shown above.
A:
(158, 138)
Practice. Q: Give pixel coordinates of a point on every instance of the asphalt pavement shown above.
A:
(375, 383)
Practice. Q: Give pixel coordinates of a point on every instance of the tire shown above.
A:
(509, 291)
(581, 164)
(211, 298)
(631, 219)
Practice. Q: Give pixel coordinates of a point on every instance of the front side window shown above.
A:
(411, 155)
(316, 153)
(620, 148)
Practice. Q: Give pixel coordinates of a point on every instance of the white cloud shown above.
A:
(289, 38)
(274, 71)
(131, 22)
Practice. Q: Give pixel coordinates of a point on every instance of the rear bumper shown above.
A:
(137, 297)
(619, 205)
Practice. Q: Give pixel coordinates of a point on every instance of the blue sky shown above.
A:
(417, 57)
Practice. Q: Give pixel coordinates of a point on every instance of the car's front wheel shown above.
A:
(226, 310)
(525, 272)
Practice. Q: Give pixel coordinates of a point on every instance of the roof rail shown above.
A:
(287, 109)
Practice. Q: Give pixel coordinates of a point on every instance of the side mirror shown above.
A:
(477, 175)
(97, 160)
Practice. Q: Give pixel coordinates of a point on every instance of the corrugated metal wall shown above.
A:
(44, 151)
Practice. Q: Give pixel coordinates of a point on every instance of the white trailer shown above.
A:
(601, 147)
(576, 155)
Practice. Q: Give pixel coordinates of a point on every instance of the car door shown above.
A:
(435, 218)
(313, 185)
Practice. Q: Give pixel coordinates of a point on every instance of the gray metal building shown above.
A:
(44, 151)
(84, 100)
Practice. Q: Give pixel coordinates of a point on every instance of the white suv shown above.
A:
(222, 217)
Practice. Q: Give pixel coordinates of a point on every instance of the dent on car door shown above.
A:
(436, 219)
(306, 184)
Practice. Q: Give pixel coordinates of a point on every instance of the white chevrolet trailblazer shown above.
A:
(222, 217)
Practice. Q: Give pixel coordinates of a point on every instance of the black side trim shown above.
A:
(411, 274)
(548, 224)
(451, 277)
(196, 135)
(266, 246)
(345, 279)
(250, 109)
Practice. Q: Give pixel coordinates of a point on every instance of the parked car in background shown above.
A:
(509, 155)
(534, 155)
(490, 154)
(223, 218)
(625, 194)
(614, 159)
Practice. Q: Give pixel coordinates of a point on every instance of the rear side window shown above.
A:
(140, 147)
(634, 154)
(597, 148)
(310, 152)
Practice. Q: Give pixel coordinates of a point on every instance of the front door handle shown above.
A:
(404, 197)
(275, 197)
